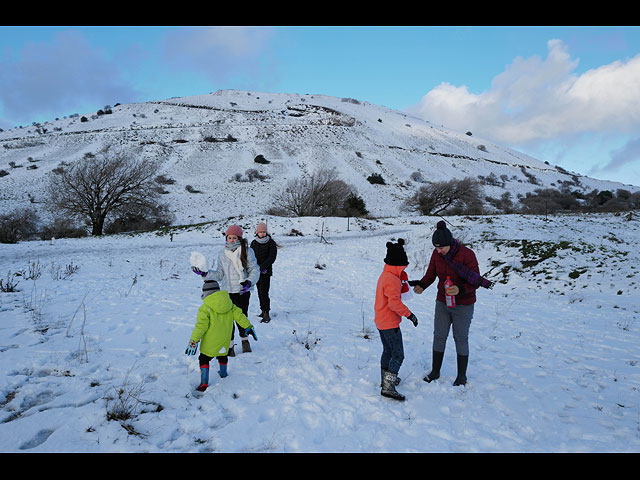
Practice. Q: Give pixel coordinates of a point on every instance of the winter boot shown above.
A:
(436, 364)
(223, 370)
(382, 370)
(389, 386)
(265, 316)
(204, 378)
(246, 347)
(231, 352)
(461, 379)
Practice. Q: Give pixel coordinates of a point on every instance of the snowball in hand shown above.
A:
(199, 261)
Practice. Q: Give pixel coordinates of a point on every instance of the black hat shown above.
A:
(209, 287)
(396, 254)
(442, 236)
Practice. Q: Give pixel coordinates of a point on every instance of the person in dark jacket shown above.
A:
(266, 251)
(451, 259)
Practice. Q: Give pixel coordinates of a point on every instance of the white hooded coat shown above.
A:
(228, 276)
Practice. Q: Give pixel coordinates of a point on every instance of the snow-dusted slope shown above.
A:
(204, 140)
(554, 358)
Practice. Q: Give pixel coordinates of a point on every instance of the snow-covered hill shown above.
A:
(554, 346)
(204, 140)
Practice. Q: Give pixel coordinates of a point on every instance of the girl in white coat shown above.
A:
(237, 272)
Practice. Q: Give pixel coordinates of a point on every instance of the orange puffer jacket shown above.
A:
(388, 306)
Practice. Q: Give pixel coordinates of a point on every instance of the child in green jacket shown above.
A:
(214, 325)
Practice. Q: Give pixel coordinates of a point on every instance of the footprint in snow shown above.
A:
(39, 439)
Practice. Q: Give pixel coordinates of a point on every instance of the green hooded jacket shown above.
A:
(214, 324)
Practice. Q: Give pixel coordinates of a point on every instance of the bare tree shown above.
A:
(18, 225)
(105, 184)
(438, 196)
(323, 193)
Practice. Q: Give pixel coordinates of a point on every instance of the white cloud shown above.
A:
(231, 41)
(535, 99)
(218, 52)
(54, 78)
(625, 158)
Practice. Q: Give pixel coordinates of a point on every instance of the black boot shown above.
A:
(265, 316)
(389, 386)
(436, 364)
(461, 379)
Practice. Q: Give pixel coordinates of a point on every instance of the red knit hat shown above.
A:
(234, 230)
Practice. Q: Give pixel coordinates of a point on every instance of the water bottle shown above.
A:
(450, 299)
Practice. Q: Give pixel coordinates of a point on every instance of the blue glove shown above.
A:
(250, 331)
(191, 348)
(198, 272)
(246, 285)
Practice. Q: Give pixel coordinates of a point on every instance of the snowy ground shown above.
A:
(554, 362)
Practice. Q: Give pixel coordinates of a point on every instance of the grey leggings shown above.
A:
(460, 318)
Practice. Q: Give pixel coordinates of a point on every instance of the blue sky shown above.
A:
(567, 95)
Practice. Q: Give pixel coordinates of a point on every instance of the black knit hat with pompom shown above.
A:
(442, 236)
(396, 254)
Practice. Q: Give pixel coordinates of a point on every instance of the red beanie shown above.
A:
(234, 230)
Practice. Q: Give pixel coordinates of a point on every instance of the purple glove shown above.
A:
(198, 272)
(246, 285)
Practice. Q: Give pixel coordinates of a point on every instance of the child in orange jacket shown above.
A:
(389, 311)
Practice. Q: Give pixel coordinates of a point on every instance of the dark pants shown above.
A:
(392, 350)
(241, 301)
(204, 360)
(263, 292)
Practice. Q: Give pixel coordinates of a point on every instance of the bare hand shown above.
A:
(454, 290)
(418, 289)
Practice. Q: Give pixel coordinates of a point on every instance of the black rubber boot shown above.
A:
(461, 379)
(436, 364)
